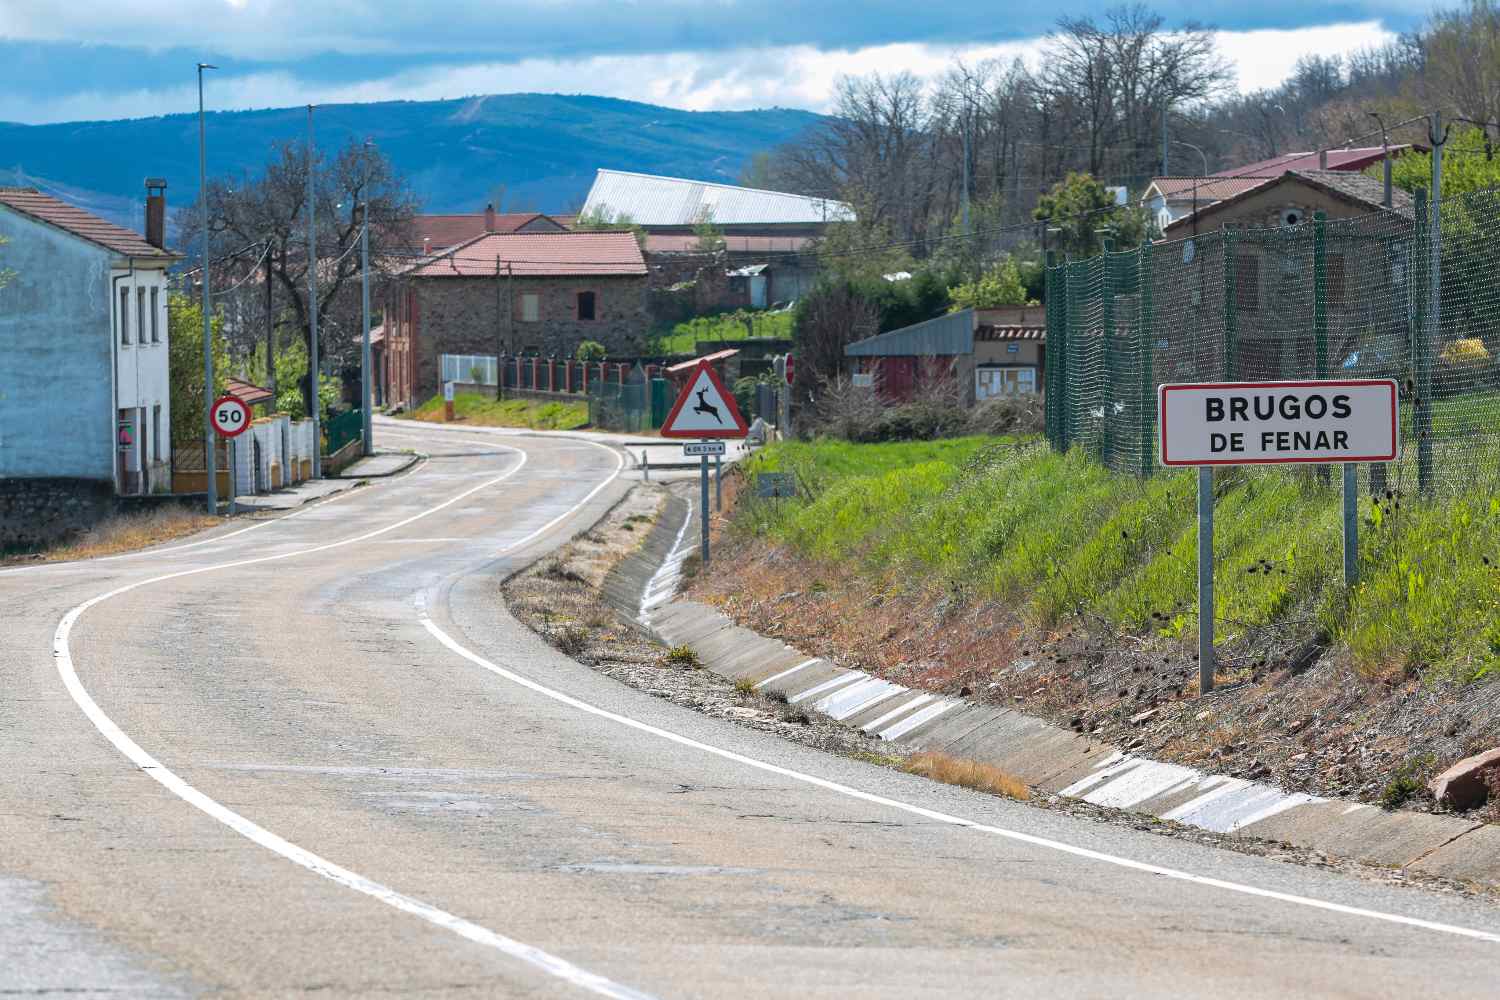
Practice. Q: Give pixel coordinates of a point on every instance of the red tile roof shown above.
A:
(31, 202)
(443, 231)
(1208, 189)
(537, 255)
(246, 392)
(1338, 159)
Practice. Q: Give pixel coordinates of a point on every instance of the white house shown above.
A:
(84, 388)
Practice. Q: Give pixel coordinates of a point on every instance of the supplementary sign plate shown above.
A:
(776, 484)
(230, 416)
(696, 448)
(705, 409)
(1260, 423)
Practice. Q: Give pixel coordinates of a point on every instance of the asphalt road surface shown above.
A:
(318, 756)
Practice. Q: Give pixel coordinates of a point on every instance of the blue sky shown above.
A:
(129, 58)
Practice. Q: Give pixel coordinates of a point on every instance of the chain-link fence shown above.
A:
(1379, 296)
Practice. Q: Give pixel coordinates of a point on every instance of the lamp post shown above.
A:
(209, 465)
(364, 268)
(1204, 157)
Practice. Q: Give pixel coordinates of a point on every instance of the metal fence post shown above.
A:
(1145, 338)
(1320, 309)
(1049, 379)
(1231, 305)
(1107, 260)
(1423, 335)
(1071, 316)
(1205, 579)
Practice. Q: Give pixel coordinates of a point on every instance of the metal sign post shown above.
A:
(1320, 422)
(230, 417)
(703, 518)
(704, 410)
(719, 483)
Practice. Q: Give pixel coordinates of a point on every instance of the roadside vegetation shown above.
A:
(1058, 537)
(121, 533)
(742, 324)
(486, 411)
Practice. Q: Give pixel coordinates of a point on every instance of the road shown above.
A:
(318, 755)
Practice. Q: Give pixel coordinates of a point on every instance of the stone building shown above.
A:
(520, 293)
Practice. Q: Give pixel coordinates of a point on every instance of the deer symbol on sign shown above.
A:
(707, 408)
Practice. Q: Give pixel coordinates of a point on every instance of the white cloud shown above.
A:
(795, 76)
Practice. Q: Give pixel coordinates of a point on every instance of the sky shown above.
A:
(65, 61)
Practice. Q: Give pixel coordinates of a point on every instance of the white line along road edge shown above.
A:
(137, 755)
(932, 814)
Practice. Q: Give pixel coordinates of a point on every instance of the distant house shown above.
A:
(436, 233)
(522, 293)
(84, 387)
(1273, 277)
(1169, 199)
(989, 353)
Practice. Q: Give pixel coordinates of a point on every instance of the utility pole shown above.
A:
(364, 279)
(364, 356)
(1165, 142)
(270, 325)
(312, 307)
(209, 463)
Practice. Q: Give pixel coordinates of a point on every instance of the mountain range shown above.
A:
(538, 151)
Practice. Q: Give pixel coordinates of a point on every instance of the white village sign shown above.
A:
(1329, 421)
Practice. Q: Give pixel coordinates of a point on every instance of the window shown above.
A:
(125, 317)
(586, 306)
(156, 318)
(1247, 284)
(529, 307)
(140, 315)
(1333, 280)
(156, 421)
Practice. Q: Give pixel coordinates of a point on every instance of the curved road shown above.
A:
(318, 755)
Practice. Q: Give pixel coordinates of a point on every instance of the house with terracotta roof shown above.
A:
(1169, 199)
(511, 293)
(439, 232)
(84, 388)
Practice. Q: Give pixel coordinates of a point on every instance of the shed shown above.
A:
(992, 352)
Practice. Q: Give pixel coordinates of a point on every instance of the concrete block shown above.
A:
(1473, 857)
(1366, 833)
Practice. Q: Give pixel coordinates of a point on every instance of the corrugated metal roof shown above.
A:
(247, 392)
(941, 337)
(678, 243)
(650, 200)
(538, 255)
(31, 202)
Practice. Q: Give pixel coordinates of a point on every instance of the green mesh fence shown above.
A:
(1348, 298)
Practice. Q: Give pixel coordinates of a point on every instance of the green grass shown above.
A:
(473, 408)
(743, 325)
(1058, 535)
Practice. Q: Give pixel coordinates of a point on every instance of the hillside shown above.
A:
(541, 148)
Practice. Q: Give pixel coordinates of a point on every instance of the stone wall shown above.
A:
(36, 512)
(476, 316)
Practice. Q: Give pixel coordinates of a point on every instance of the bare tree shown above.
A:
(272, 208)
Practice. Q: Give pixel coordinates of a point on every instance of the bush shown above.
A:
(1008, 415)
(590, 351)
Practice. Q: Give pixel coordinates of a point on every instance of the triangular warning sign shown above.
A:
(705, 410)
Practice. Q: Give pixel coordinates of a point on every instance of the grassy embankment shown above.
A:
(1056, 536)
(121, 533)
(486, 411)
(683, 338)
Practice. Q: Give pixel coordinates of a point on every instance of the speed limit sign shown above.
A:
(229, 416)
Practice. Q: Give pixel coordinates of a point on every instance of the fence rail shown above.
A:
(1410, 295)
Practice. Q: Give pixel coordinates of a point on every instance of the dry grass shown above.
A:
(967, 774)
(129, 532)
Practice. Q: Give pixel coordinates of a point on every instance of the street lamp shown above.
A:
(209, 465)
(1204, 157)
(364, 267)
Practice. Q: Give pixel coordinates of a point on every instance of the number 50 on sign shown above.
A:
(229, 416)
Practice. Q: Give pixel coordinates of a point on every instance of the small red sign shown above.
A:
(230, 416)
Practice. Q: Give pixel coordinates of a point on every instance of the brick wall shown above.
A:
(482, 316)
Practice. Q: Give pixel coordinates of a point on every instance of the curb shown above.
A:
(1043, 755)
(412, 459)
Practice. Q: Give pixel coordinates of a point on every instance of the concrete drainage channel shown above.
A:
(1043, 755)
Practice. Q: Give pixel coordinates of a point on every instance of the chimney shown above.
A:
(156, 212)
(489, 218)
(1322, 159)
(426, 245)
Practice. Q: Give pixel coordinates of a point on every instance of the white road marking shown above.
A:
(550, 964)
(933, 814)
